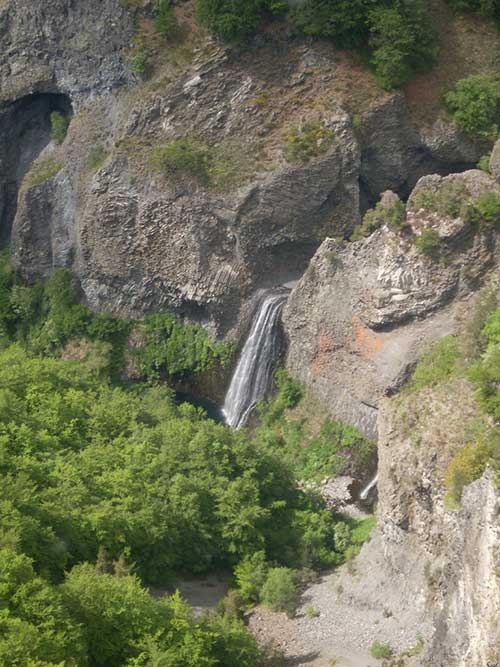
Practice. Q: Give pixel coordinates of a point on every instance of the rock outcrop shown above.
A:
(141, 241)
(363, 312)
(75, 48)
(454, 552)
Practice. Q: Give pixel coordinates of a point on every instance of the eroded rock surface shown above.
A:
(141, 241)
(363, 312)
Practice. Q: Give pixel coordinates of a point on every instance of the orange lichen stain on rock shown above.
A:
(364, 342)
(325, 347)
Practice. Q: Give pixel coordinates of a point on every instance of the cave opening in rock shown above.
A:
(376, 177)
(25, 130)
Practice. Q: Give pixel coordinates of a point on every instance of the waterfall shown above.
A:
(366, 491)
(253, 372)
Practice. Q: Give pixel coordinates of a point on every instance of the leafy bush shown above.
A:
(380, 650)
(486, 372)
(474, 105)
(177, 349)
(251, 574)
(165, 21)
(182, 157)
(467, 465)
(393, 215)
(288, 396)
(279, 591)
(345, 22)
(428, 242)
(59, 126)
(235, 19)
(104, 620)
(436, 365)
(401, 36)
(108, 464)
(44, 170)
(486, 209)
(484, 163)
(337, 447)
(140, 62)
(403, 41)
(309, 141)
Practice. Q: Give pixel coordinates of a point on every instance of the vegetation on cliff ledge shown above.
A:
(475, 355)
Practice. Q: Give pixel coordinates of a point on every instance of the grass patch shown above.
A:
(450, 199)
(44, 170)
(393, 215)
(380, 650)
(221, 167)
(182, 157)
(437, 365)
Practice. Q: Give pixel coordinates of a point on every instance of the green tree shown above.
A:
(473, 104)
(279, 591)
(35, 627)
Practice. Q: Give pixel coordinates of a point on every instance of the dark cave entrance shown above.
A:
(377, 175)
(25, 130)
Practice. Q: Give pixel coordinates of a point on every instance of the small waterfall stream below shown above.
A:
(368, 488)
(252, 376)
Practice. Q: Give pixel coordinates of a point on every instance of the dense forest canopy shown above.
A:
(107, 486)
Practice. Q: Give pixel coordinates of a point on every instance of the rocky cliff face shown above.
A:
(454, 553)
(364, 311)
(141, 241)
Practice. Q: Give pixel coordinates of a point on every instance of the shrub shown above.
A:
(165, 21)
(279, 591)
(234, 19)
(139, 62)
(380, 650)
(289, 394)
(474, 105)
(251, 574)
(177, 349)
(486, 209)
(309, 141)
(346, 22)
(401, 36)
(44, 170)
(182, 157)
(428, 242)
(403, 41)
(484, 163)
(336, 447)
(393, 215)
(59, 126)
(467, 465)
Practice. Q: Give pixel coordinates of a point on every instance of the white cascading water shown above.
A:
(366, 491)
(253, 373)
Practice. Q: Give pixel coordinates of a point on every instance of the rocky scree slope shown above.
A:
(140, 240)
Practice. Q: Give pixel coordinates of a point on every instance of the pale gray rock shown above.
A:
(363, 312)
